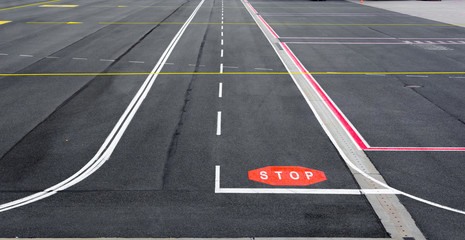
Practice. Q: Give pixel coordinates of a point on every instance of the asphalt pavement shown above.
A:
(117, 115)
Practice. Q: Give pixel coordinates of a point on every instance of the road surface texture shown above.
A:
(142, 119)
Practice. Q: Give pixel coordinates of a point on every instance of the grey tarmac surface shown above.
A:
(159, 181)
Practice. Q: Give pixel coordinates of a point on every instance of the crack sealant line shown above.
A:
(113, 138)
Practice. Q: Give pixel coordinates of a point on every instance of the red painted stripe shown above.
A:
(253, 9)
(327, 100)
(268, 26)
(415, 149)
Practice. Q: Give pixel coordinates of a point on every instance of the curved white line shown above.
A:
(107, 148)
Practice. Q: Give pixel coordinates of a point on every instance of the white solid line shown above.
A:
(107, 60)
(107, 148)
(218, 189)
(26, 55)
(218, 124)
(221, 68)
(220, 90)
(222, 42)
(222, 52)
(419, 76)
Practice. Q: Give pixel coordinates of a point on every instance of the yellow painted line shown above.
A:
(59, 6)
(217, 73)
(28, 5)
(54, 22)
(3, 22)
(122, 6)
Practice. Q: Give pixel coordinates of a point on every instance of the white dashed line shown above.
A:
(169, 63)
(221, 27)
(218, 124)
(221, 68)
(220, 90)
(222, 42)
(79, 58)
(3, 54)
(221, 33)
(222, 22)
(222, 52)
(136, 62)
(52, 57)
(107, 60)
(265, 69)
(456, 77)
(229, 66)
(418, 76)
(26, 55)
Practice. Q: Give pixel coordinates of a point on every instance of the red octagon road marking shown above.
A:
(287, 175)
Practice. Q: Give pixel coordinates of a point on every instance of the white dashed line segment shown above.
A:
(220, 90)
(218, 124)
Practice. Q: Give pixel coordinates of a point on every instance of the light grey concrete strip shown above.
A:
(446, 11)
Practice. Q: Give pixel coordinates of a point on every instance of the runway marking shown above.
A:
(4, 9)
(220, 90)
(54, 22)
(59, 6)
(115, 135)
(314, 191)
(3, 22)
(218, 124)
